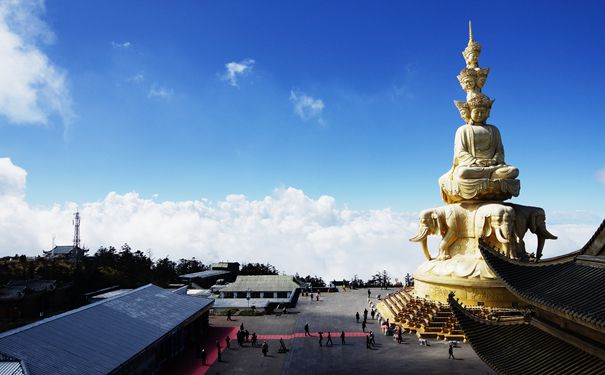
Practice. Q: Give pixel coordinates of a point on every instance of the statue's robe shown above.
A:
(467, 179)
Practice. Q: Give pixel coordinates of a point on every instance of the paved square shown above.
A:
(334, 312)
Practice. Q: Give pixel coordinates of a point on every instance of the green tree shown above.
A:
(258, 269)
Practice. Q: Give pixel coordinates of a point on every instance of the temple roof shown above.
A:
(565, 286)
(596, 245)
(522, 348)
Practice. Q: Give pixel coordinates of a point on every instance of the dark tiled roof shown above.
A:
(100, 337)
(521, 348)
(62, 249)
(569, 288)
(596, 244)
(204, 274)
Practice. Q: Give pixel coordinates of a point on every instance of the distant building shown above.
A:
(71, 252)
(226, 271)
(136, 332)
(260, 291)
(65, 252)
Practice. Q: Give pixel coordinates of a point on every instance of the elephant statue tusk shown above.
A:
(500, 236)
(424, 231)
(546, 234)
(422, 236)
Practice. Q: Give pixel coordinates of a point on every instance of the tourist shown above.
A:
(321, 338)
(363, 326)
(307, 330)
(365, 314)
(369, 293)
(451, 351)
(241, 327)
(218, 348)
(357, 316)
(238, 335)
(329, 341)
(265, 348)
(246, 335)
(229, 315)
(203, 356)
(372, 339)
(317, 297)
(254, 338)
(311, 295)
(368, 341)
(342, 337)
(282, 346)
(373, 313)
(228, 342)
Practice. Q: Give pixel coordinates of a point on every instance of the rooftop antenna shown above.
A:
(76, 223)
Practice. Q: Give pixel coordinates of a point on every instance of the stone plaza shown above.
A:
(334, 312)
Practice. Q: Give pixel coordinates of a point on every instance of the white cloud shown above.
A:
(32, 88)
(601, 176)
(121, 45)
(288, 229)
(157, 91)
(235, 70)
(307, 107)
(137, 78)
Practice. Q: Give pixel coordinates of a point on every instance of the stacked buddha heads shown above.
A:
(472, 78)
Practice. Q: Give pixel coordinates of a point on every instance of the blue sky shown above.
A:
(330, 133)
(384, 72)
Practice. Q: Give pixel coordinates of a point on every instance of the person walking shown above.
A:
(451, 352)
(254, 338)
(317, 296)
(218, 348)
(365, 314)
(265, 348)
(369, 293)
(246, 335)
(228, 342)
(307, 330)
(372, 339)
(373, 313)
(229, 315)
(329, 340)
(321, 338)
(357, 316)
(311, 295)
(203, 356)
(363, 326)
(342, 337)
(367, 341)
(241, 327)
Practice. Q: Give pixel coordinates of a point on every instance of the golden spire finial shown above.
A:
(470, 33)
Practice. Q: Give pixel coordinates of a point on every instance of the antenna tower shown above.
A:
(76, 223)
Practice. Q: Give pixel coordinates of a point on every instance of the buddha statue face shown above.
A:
(465, 114)
(479, 115)
(468, 83)
(481, 81)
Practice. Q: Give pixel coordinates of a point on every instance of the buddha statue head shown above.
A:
(480, 106)
(468, 79)
(481, 77)
(472, 51)
(465, 111)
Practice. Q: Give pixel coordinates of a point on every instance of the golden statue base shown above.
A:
(471, 292)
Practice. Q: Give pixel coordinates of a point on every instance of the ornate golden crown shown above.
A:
(467, 73)
(472, 45)
(480, 101)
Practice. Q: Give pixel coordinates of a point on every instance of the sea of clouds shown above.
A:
(290, 230)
